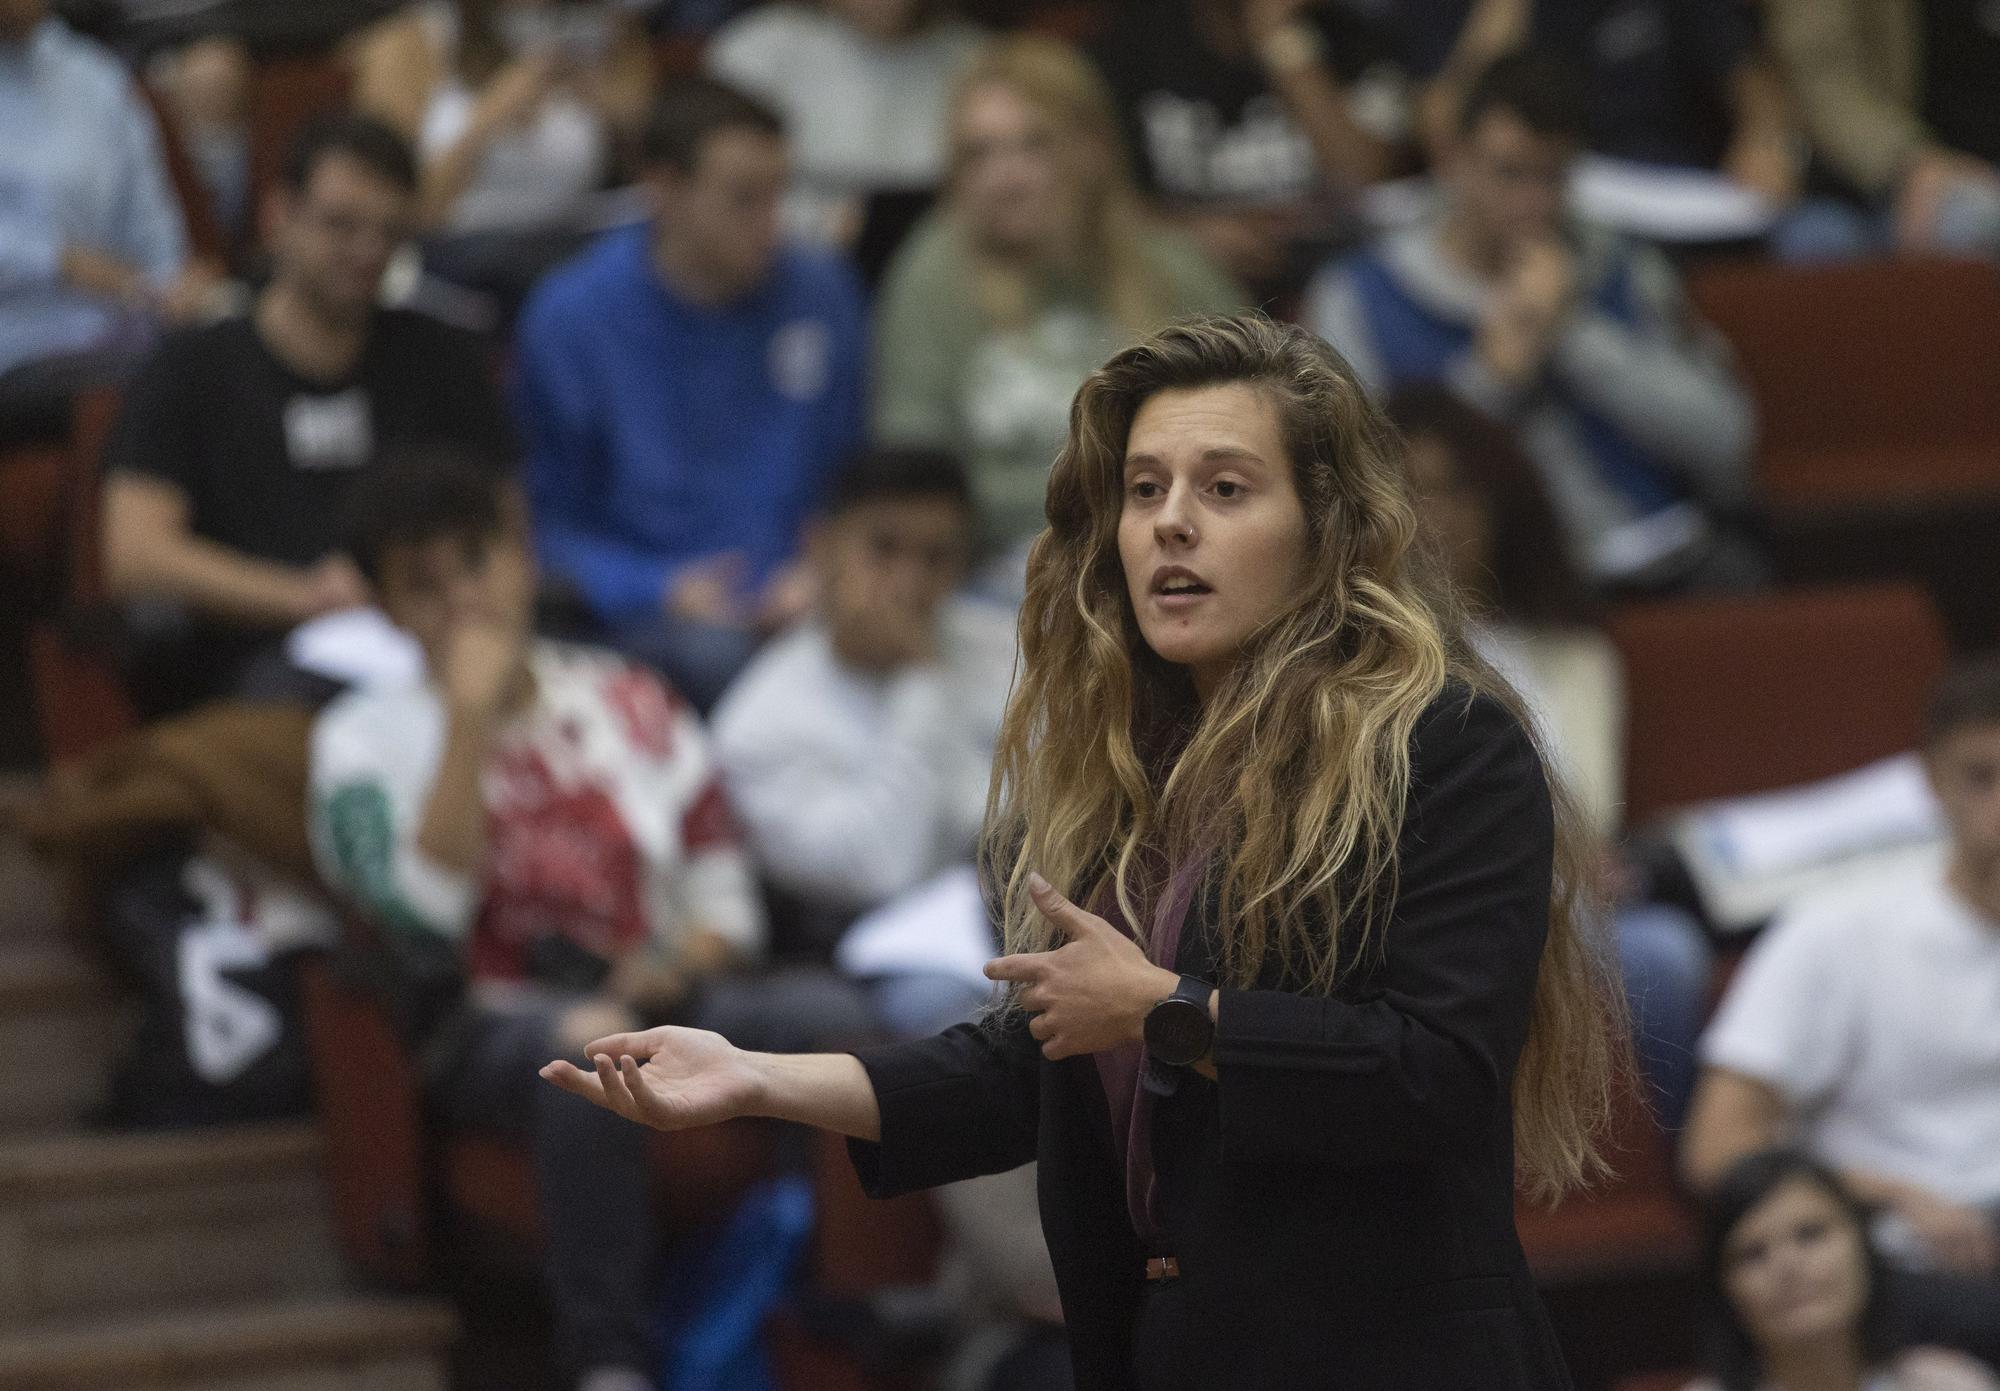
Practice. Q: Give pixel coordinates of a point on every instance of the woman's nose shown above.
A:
(1174, 523)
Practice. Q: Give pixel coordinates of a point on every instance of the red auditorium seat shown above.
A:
(1875, 381)
(1745, 694)
(80, 701)
(286, 93)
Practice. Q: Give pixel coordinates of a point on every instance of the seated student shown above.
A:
(865, 85)
(1898, 100)
(1258, 122)
(1863, 1025)
(1671, 83)
(1536, 623)
(552, 816)
(1798, 1296)
(515, 108)
(239, 441)
(858, 747)
(93, 254)
(1576, 340)
(1040, 261)
(687, 387)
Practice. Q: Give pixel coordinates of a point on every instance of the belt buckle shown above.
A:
(1160, 1268)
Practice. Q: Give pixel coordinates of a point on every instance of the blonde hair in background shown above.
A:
(1295, 775)
(1061, 86)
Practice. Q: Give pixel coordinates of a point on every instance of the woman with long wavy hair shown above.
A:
(1299, 981)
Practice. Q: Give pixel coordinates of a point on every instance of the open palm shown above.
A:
(669, 1078)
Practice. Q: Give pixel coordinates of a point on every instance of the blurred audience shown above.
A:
(240, 440)
(858, 749)
(515, 108)
(1898, 98)
(1534, 620)
(1675, 83)
(93, 251)
(687, 387)
(1256, 123)
(551, 816)
(858, 746)
(1863, 1025)
(864, 87)
(1577, 340)
(1041, 262)
(1799, 1298)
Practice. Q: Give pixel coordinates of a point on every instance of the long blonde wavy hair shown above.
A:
(1294, 776)
(1061, 86)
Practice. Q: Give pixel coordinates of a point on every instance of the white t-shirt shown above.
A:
(1876, 1016)
(856, 787)
(861, 114)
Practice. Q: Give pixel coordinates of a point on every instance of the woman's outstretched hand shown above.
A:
(1089, 994)
(668, 1078)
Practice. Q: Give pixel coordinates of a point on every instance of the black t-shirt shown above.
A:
(1962, 75)
(1657, 71)
(266, 457)
(1204, 128)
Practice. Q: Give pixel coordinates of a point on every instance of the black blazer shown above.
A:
(1341, 1199)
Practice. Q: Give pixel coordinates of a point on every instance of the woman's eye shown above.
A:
(1145, 489)
(1228, 488)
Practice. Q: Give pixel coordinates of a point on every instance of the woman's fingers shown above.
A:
(572, 1078)
(616, 1092)
(1023, 966)
(640, 1045)
(1041, 1028)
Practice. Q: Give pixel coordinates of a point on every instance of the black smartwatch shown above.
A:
(1179, 1031)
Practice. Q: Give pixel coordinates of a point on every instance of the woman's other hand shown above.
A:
(1089, 994)
(668, 1078)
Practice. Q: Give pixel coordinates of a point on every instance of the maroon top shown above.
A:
(1123, 1069)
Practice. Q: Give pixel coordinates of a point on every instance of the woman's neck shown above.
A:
(1830, 1365)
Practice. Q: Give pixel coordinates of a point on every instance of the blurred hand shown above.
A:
(669, 1078)
(788, 596)
(592, 1019)
(99, 273)
(644, 982)
(1263, 18)
(709, 591)
(482, 663)
(1764, 164)
(1963, 1239)
(1926, 185)
(1090, 994)
(515, 91)
(1527, 310)
(194, 294)
(332, 585)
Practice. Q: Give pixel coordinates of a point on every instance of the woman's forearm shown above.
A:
(829, 1091)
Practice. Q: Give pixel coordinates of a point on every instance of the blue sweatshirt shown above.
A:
(660, 432)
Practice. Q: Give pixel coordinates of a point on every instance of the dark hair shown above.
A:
(1538, 89)
(363, 139)
(896, 473)
(1534, 580)
(1968, 695)
(1733, 1357)
(692, 110)
(417, 493)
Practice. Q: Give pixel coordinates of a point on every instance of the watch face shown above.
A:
(1178, 1031)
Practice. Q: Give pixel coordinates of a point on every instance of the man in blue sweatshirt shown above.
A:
(686, 387)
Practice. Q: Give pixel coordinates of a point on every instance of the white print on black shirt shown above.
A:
(329, 432)
(801, 360)
(1264, 157)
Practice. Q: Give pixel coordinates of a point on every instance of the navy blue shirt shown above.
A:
(661, 432)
